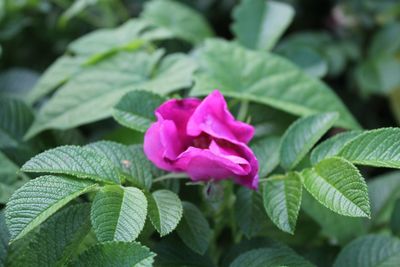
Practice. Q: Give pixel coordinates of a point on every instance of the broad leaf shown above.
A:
(332, 146)
(38, 199)
(165, 211)
(106, 82)
(270, 257)
(73, 160)
(267, 153)
(194, 229)
(259, 23)
(136, 109)
(267, 79)
(370, 251)
(4, 239)
(60, 236)
(379, 148)
(395, 219)
(339, 186)
(177, 19)
(301, 136)
(118, 213)
(115, 254)
(282, 199)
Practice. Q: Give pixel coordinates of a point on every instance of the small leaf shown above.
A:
(266, 151)
(370, 251)
(115, 254)
(178, 19)
(38, 199)
(332, 146)
(136, 109)
(338, 185)
(259, 24)
(194, 229)
(75, 161)
(379, 148)
(302, 135)
(165, 211)
(282, 199)
(118, 213)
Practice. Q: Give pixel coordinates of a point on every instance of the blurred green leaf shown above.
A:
(395, 219)
(4, 239)
(266, 151)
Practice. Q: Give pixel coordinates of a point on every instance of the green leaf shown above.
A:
(194, 229)
(55, 75)
(75, 161)
(259, 24)
(136, 109)
(338, 185)
(165, 211)
(282, 199)
(270, 257)
(301, 136)
(106, 82)
(60, 236)
(267, 79)
(370, 251)
(4, 239)
(395, 219)
(115, 254)
(332, 146)
(249, 212)
(118, 213)
(266, 151)
(177, 19)
(379, 148)
(38, 199)
(15, 119)
(129, 160)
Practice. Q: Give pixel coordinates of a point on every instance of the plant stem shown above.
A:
(170, 176)
(243, 109)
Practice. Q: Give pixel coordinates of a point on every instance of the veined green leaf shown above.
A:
(370, 251)
(267, 79)
(379, 148)
(75, 161)
(282, 199)
(339, 186)
(194, 229)
(38, 199)
(115, 254)
(267, 153)
(4, 239)
(302, 135)
(136, 109)
(118, 213)
(165, 211)
(259, 24)
(332, 146)
(106, 82)
(177, 19)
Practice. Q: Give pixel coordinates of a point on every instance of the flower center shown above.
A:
(202, 141)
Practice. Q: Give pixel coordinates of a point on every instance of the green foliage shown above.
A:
(118, 213)
(267, 153)
(4, 239)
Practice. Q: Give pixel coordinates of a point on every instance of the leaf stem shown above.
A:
(171, 175)
(243, 109)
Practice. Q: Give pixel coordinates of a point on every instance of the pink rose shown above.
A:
(202, 139)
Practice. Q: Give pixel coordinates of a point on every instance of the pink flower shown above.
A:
(202, 139)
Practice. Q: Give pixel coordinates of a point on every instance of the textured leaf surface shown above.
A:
(73, 160)
(267, 79)
(4, 239)
(302, 135)
(118, 213)
(38, 199)
(178, 19)
(370, 251)
(332, 146)
(165, 211)
(379, 148)
(270, 257)
(249, 212)
(106, 82)
(194, 229)
(282, 199)
(136, 109)
(259, 24)
(114, 253)
(266, 151)
(60, 236)
(338, 185)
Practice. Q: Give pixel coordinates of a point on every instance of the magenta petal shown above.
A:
(213, 117)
